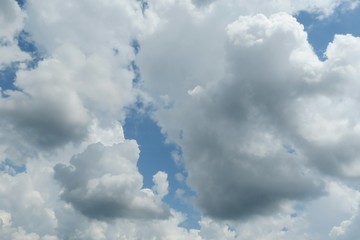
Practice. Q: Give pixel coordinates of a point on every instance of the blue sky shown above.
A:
(322, 31)
(174, 120)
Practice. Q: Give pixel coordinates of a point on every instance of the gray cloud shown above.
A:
(261, 122)
(243, 173)
(202, 2)
(266, 131)
(103, 183)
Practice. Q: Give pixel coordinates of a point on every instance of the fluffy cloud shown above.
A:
(258, 145)
(76, 82)
(9, 232)
(43, 117)
(254, 139)
(11, 23)
(94, 26)
(11, 19)
(232, 144)
(104, 183)
(30, 203)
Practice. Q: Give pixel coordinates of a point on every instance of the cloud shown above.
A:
(234, 131)
(45, 117)
(323, 8)
(9, 232)
(11, 20)
(82, 76)
(115, 25)
(104, 183)
(27, 204)
(252, 139)
(59, 97)
(202, 3)
(11, 23)
(261, 123)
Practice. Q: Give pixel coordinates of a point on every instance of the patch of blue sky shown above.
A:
(26, 44)
(135, 45)
(136, 70)
(322, 31)
(8, 167)
(8, 73)
(21, 3)
(132, 65)
(156, 155)
(7, 78)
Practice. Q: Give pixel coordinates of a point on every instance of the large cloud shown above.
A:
(94, 26)
(61, 96)
(253, 141)
(252, 137)
(82, 76)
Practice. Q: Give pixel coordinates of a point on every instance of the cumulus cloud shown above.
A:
(104, 183)
(233, 137)
(63, 93)
(78, 81)
(115, 25)
(28, 203)
(263, 126)
(11, 20)
(9, 232)
(252, 139)
(11, 23)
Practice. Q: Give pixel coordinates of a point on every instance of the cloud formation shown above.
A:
(260, 134)
(11, 23)
(266, 132)
(104, 183)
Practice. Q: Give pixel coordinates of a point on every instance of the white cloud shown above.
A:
(344, 204)
(7, 231)
(234, 132)
(161, 187)
(11, 19)
(27, 200)
(93, 26)
(259, 118)
(11, 23)
(269, 117)
(61, 96)
(48, 112)
(11, 53)
(104, 183)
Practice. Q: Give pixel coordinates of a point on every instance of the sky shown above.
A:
(179, 119)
